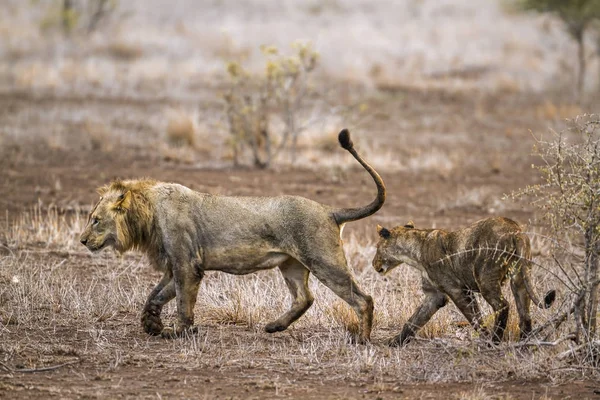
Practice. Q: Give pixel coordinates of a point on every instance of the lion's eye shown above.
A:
(95, 221)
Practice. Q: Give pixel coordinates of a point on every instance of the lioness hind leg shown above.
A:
(160, 295)
(336, 276)
(433, 301)
(492, 293)
(465, 302)
(523, 302)
(296, 279)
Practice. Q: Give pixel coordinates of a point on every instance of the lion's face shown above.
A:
(104, 224)
(392, 249)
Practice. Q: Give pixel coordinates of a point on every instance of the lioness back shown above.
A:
(456, 264)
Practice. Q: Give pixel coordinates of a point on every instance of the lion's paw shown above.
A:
(152, 324)
(274, 326)
(177, 331)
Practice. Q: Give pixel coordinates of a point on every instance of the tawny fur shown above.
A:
(185, 233)
(456, 264)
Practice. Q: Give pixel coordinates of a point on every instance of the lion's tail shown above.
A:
(353, 214)
(524, 251)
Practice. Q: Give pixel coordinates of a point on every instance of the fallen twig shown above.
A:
(42, 369)
(5, 367)
(558, 341)
(571, 352)
(560, 318)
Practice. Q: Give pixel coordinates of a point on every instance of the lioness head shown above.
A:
(395, 247)
(107, 225)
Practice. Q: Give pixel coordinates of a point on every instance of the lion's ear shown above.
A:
(410, 225)
(102, 190)
(123, 201)
(383, 232)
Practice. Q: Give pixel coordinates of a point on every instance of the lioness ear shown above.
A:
(410, 225)
(384, 233)
(123, 201)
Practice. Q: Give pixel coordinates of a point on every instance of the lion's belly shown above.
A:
(242, 261)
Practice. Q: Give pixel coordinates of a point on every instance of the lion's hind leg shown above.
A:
(296, 278)
(335, 274)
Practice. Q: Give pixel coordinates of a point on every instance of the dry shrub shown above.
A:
(343, 315)
(436, 327)
(327, 143)
(230, 312)
(99, 135)
(181, 130)
(125, 51)
(550, 110)
(251, 100)
(476, 394)
(49, 227)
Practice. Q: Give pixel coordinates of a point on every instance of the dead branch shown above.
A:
(560, 318)
(5, 367)
(42, 369)
(571, 352)
(537, 343)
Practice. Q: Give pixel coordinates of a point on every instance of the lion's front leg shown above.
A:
(186, 283)
(160, 295)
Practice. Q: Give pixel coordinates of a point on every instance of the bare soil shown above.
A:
(493, 160)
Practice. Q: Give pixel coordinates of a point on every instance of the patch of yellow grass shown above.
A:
(181, 130)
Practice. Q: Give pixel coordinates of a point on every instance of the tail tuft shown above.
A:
(549, 298)
(345, 140)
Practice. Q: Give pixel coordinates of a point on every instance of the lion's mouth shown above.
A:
(94, 248)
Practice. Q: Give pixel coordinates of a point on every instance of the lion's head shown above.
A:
(119, 217)
(394, 248)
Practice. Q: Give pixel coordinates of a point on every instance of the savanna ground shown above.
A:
(449, 146)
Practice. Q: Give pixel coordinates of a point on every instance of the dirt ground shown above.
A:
(489, 133)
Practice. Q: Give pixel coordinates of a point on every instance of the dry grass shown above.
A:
(181, 129)
(47, 228)
(59, 287)
(124, 50)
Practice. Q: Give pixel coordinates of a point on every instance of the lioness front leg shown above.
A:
(186, 282)
(434, 300)
(296, 279)
(160, 295)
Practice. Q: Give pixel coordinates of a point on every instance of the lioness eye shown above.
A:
(95, 221)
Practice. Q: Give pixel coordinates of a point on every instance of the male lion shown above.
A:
(185, 233)
(476, 259)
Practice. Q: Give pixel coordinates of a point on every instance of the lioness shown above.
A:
(476, 259)
(185, 233)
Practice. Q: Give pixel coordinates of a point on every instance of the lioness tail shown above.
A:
(352, 214)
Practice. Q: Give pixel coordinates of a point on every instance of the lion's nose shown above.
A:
(83, 241)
